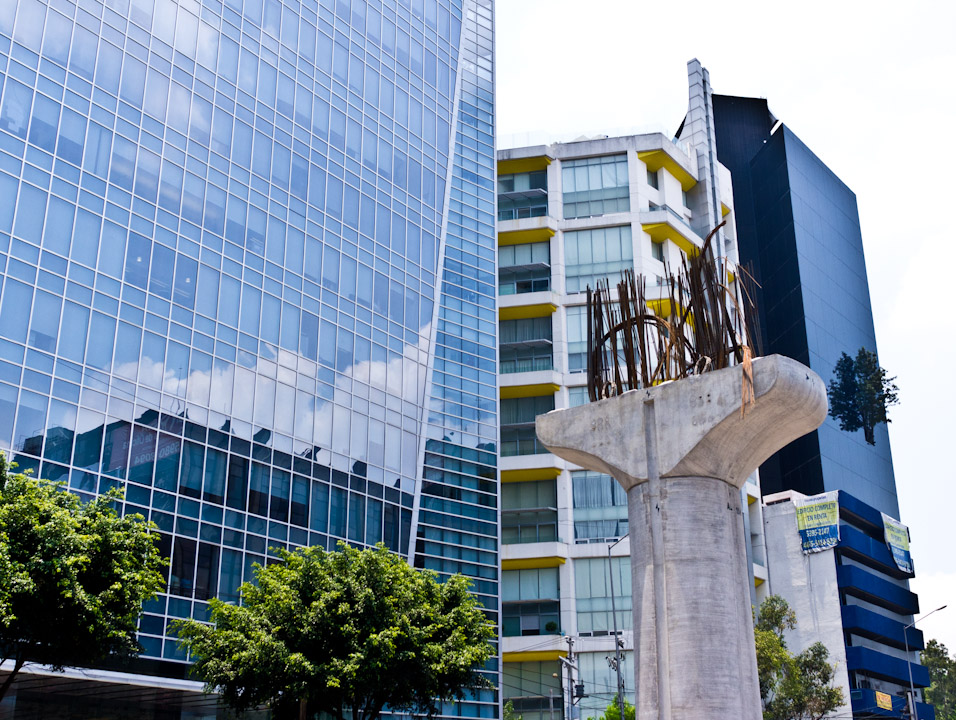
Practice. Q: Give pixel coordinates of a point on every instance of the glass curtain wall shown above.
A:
(600, 507)
(534, 688)
(529, 512)
(524, 268)
(220, 275)
(523, 195)
(597, 255)
(595, 186)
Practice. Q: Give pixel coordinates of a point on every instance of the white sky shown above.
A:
(868, 86)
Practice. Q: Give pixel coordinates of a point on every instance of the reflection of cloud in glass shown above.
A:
(246, 400)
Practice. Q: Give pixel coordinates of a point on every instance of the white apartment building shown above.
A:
(569, 215)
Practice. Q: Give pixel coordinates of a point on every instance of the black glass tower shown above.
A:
(799, 229)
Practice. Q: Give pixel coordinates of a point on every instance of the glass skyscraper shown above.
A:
(247, 252)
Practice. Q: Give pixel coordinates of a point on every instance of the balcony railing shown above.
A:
(529, 526)
(668, 208)
(518, 213)
(521, 442)
(529, 619)
(525, 364)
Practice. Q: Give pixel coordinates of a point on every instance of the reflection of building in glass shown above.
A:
(608, 204)
(249, 276)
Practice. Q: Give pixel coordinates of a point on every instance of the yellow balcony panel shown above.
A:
(532, 563)
(523, 165)
(520, 237)
(520, 312)
(663, 308)
(661, 231)
(724, 210)
(522, 391)
(758, 581)
(657, 159)
(529, 474)
(534, 656)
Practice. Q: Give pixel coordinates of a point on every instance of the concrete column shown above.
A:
(682, 450)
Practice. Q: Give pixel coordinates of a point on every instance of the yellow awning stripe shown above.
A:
(657, 159)
(529, 474)
(522, 165)
(536, 390)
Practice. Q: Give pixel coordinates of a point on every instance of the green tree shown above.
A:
(73, 575)
(860, 393)
(942, 675)
(613, 712)
(792, 687)
(345, 631)
(509, 712)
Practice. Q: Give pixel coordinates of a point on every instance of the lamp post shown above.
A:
(909, 665)
(617, 640)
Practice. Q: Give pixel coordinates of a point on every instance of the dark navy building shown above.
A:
(797, 224)
(799, 230)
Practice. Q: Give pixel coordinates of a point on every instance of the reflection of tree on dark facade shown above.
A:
(234, 498)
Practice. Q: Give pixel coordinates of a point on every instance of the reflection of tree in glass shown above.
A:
(860, 392)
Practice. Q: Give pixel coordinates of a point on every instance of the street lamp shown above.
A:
(617, 640)
(909, 665)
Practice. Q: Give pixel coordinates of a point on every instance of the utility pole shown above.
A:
(551, 703)
(569, 664)
(909, 666)
(618, 643)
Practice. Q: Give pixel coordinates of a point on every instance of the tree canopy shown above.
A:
(508, 711)
(792, 687)
(73, 575)
(343, 632)
(860, 393)
(613, 711)
(942, 674)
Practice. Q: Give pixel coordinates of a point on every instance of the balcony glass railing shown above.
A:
(518, 283)
(525, 330)
(669, 209)
(518, 213)
(529, 526)
(523, 411)
(521, 442)
(529, 619)
(517, 364)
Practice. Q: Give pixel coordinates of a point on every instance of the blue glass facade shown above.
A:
(798, 226)
(248, 273)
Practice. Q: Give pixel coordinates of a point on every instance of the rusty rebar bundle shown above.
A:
(701, 323)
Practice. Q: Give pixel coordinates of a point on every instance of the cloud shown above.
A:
(935, 590)
(253, 398)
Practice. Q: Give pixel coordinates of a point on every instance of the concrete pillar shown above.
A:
(682, 450)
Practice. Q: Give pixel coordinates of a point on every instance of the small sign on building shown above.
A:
(818, 521)
(884, 700)
(898, 540)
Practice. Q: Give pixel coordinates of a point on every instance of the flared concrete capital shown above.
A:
(697, 422)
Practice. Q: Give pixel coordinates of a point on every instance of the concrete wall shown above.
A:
(809, 584)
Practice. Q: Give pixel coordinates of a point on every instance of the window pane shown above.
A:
(214, 477)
